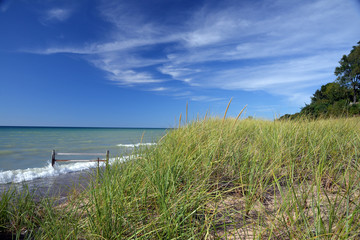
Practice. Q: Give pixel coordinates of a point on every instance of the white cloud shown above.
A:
(279, 74)
(56, 15)
(287, 77)
(126, 69)
(259, 47)
(262, 31)
(159, 89)
(119, 46)
(130, 77)
(205, 99)
(178, 73)
(283, 47)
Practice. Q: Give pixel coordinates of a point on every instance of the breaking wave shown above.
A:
(136, 145)
(22, 175)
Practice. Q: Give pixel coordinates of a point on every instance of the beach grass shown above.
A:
(213, 178)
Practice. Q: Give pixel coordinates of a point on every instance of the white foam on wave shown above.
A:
(22, 175)
(136, 145)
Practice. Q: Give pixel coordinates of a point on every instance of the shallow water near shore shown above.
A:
(53, 186)
(25, 153)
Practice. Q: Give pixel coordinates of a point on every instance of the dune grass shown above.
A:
(214, 179)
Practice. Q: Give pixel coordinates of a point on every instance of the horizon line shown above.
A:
(32, 126)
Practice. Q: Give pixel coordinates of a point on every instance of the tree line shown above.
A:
(338, 98)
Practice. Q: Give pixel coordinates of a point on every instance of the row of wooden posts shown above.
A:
(98, 160)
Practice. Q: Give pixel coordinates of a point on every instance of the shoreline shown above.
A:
(211, 179)
(53, 186)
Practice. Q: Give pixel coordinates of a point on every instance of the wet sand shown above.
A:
(54, 186)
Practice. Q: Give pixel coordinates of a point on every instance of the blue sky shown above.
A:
(136, 63)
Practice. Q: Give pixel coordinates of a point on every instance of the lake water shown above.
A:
(25, 152)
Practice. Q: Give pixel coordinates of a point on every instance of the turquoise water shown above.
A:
(25, 152)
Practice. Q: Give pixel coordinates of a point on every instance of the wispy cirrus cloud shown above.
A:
(287, 73)
(178, 72)
(56, 15)
(202, 98)
(159, 89)
(282, 47)
(279, 47)
(130, 77)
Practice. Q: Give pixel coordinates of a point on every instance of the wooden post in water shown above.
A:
(107, 157)
(53, 158)
(98, 169)
(98, 160)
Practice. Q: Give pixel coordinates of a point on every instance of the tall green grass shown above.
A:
(215, 179)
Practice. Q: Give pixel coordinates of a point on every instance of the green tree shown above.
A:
(331, 100)
(348, 73)
(330, 93)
